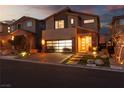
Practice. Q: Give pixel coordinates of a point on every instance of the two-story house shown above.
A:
(29, 30)
(71, 31)
(4, 34)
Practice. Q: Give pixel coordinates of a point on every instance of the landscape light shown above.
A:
(23, 54)
(94, 54)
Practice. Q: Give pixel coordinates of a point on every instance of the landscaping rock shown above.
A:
(99, 62)
(90, 61)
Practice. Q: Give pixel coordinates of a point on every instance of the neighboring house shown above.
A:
(29, 29)
(118, 24)
(71, 31)
(4, 34)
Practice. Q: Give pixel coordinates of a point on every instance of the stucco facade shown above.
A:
(71, 31)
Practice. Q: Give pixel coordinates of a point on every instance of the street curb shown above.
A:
(70, 65)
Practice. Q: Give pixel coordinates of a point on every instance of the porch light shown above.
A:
(121, 63)
(43, 42)
(12, 38)
(3, 41)
(94, 48)
(94, 53)
(8, 31)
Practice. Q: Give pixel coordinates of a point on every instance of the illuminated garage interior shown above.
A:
(59, 46)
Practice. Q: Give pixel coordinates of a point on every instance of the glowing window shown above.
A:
(72, 20)
(89, 21)
(59, 24)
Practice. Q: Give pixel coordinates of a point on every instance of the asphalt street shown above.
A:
(15, 74)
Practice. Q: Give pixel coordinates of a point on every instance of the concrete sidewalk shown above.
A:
(115, 65)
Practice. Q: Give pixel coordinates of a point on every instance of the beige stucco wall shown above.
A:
(75, 20)
(92, 26)
(67, 33)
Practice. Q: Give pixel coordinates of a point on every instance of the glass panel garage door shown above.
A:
(59, 46)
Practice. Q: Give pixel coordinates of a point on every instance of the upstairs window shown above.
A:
(72, 21)
(29, 23)
(88, 21)
(59, 24)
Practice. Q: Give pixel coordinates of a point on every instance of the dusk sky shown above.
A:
(9, 12)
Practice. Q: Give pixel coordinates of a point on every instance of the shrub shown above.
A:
(84, 59)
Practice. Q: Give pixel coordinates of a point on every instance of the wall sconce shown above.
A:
(43, 42)
(12, 38)
(94, 51)
(94, 48)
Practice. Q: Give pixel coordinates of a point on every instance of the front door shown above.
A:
(85, 43)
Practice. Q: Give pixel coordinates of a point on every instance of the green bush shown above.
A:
(106, 61)
(84, 59)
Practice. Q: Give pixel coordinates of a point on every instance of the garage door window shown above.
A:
(59, 46)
